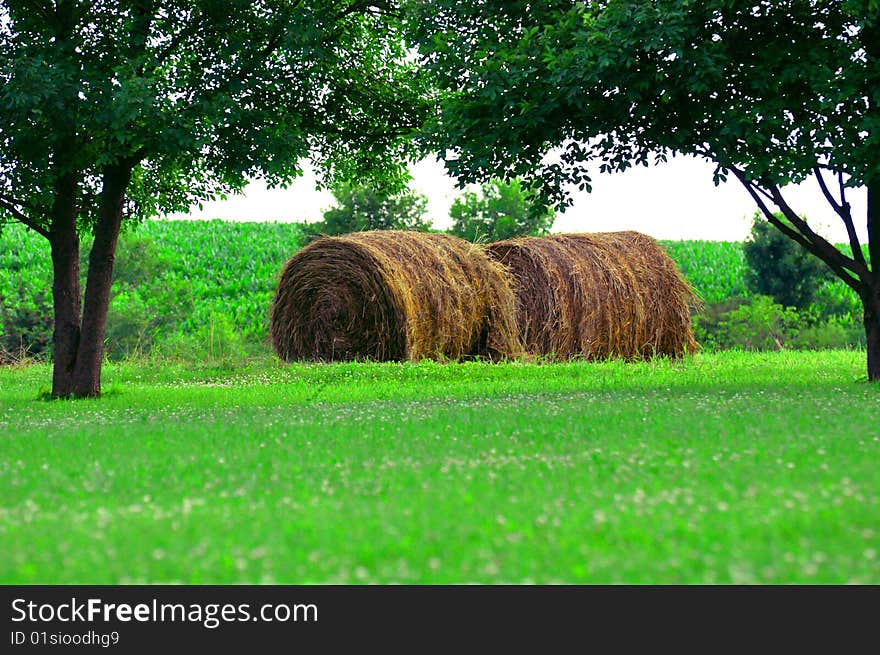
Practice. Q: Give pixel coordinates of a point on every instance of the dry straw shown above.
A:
(613, 294)
(393, 295)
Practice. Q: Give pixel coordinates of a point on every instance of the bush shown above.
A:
(836, 300)
(218, 341)
(706, 323)
(130, 325)
(26, 324)
(361, 208)
(500, 211)
(778, 267)
(833, 332)
(145, 300)
(759, 323)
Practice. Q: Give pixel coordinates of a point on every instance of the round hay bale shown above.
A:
(390, 296)
(608, 294)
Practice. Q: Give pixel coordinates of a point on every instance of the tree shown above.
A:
(361, 208)
(771, 92)
(500, 211)
(123, 109)
(776, 266)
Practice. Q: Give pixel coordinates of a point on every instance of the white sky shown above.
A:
(675, 200)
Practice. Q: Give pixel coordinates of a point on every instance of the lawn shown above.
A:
(724, 468)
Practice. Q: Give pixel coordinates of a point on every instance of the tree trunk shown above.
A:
(66, 296)
(87, 369)
(871, 297)
(872, 333)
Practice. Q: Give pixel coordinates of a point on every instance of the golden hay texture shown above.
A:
(393, 295)
(608, 294)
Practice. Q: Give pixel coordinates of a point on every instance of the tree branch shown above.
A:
(843, 210)
(810, 241)
(825, 192)
(188, 30)
(843, 202)
(771, 217)
(23, 218)
(826, 249)
(763, 192)
(41, 7)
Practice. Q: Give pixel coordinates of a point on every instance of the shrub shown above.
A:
(706, 323)
(758, 323)
(836, 300)
(834, 332)
(218, 341)
(129, 325)
(26, 323)
(501, 210)
(145, 300)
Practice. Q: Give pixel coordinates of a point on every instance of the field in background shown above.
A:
(733, 467)
(223, 272)
(204, 287)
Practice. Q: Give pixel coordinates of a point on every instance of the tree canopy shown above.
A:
(772, 88)
(770, 92)
(201, 94)
(114, 110)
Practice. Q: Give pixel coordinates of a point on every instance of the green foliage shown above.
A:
(173, 280)
(196, 97)
(230, 268)
(146, 301)
(500, 211)
(624, 83)
(716, 269)
(706, 323)
(832, 333)
(759, 323)
(218, 342)
(25, 294)
(777, 266)
(360, 208)
(25, 323)
(836, 299)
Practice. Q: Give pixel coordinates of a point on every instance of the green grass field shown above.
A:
(727, 468)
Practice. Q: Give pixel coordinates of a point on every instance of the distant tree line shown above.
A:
(497, 210)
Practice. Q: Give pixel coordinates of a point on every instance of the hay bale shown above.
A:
(390, 296)
(611, 294)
